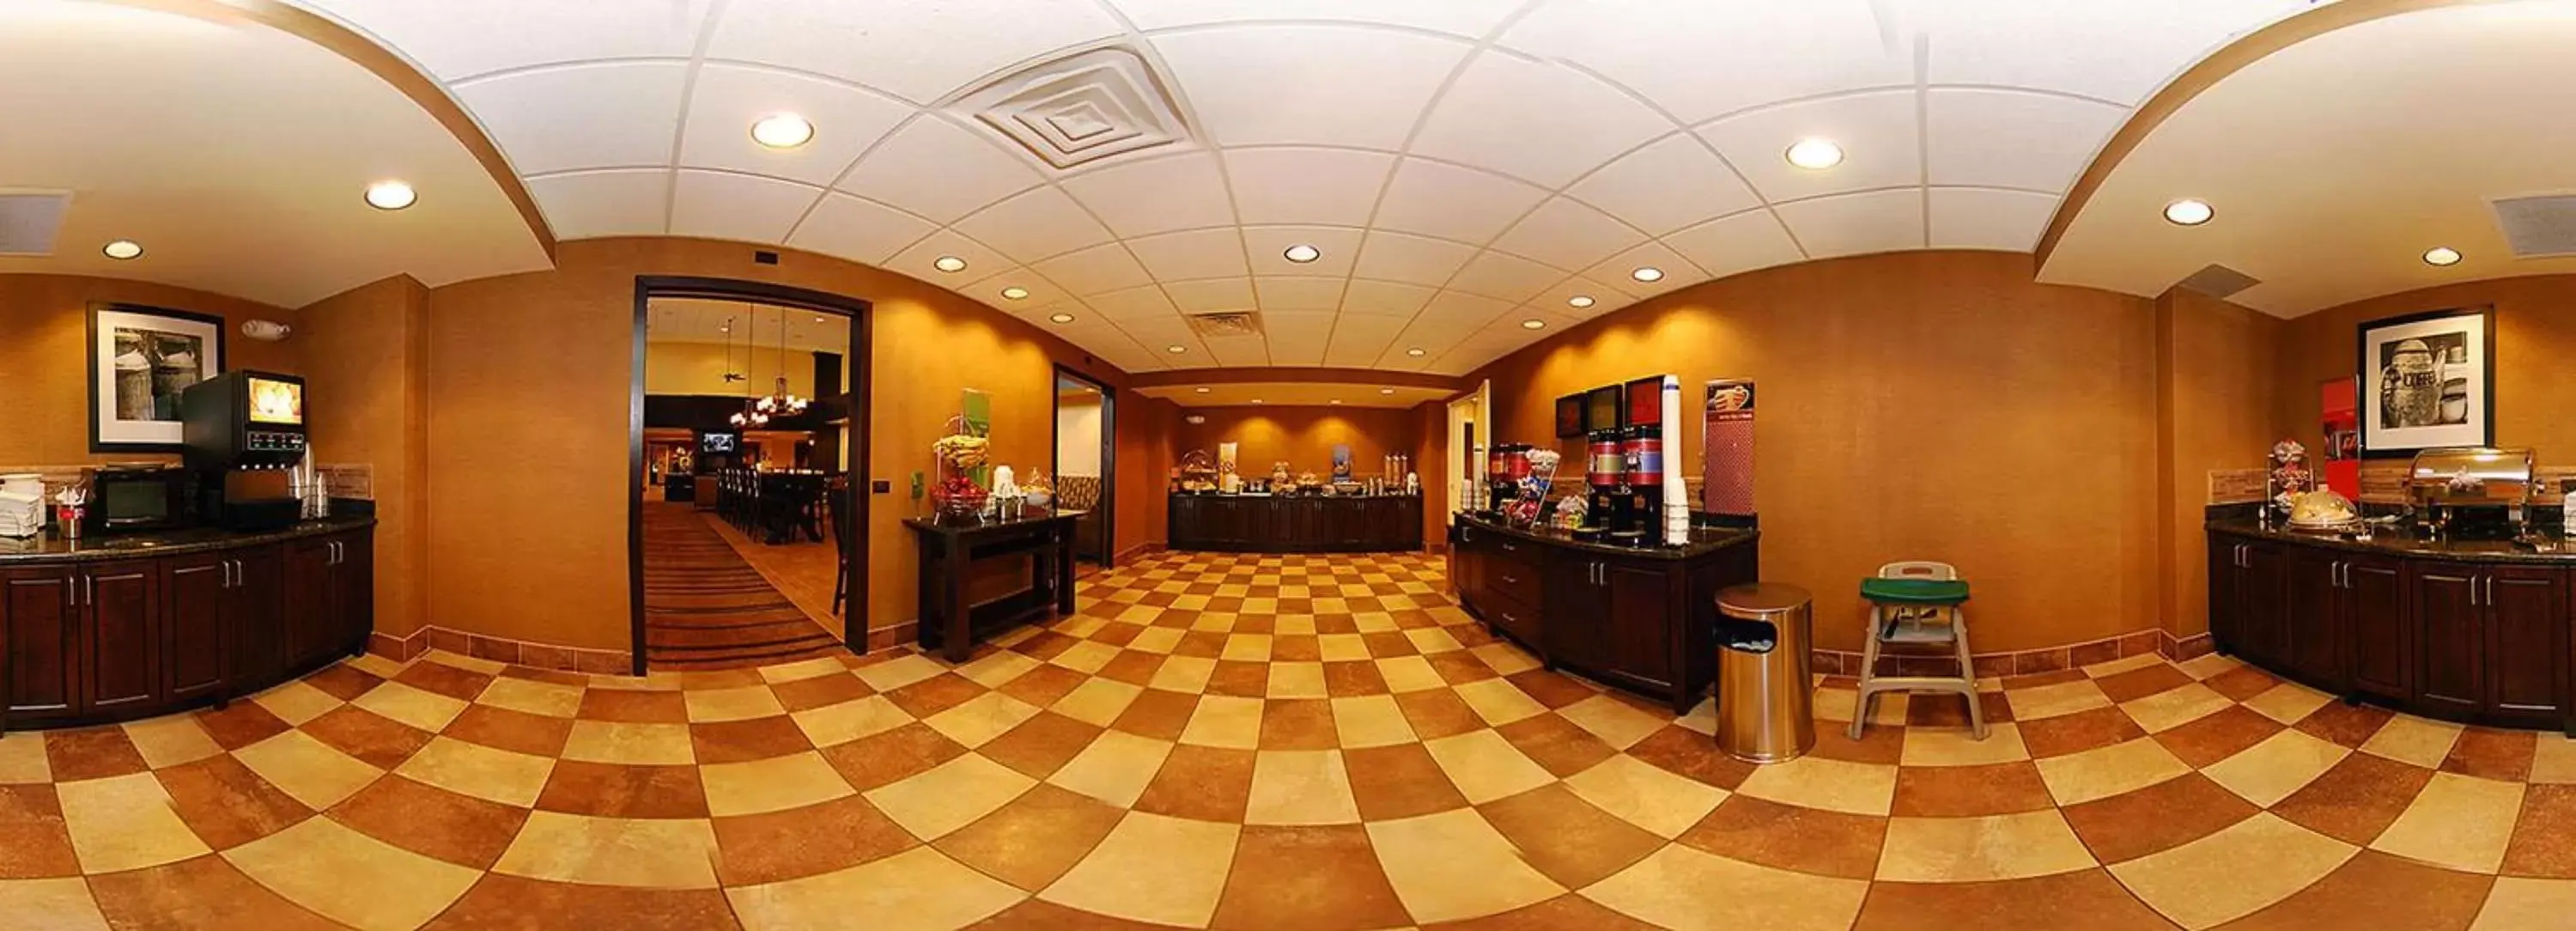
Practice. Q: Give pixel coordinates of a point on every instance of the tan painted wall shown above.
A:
(2535, 358)
(2214, 385)
(44, 358)
(1302, 436)
(366, 368)
(1148, 431)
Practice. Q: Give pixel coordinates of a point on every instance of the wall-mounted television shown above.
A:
(717, 443)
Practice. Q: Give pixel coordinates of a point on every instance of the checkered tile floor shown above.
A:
(1307, 743)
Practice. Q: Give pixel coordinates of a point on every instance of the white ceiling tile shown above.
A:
(1297, 185)
(1198, 297)
(1460, 311)
(1552, 302)
(1133, 304)
(1771, 51)
(717, 205)
(1992, 138)
(1295, 353)
(1269, 85)
(1538, 121)
(1568, 234)
(1214, 253)
(919, 51)
(1740, 243)
(1385, 298)
(1300, 330)
(858, 229)
(1412, 259)
(1156, 195)
(1469, 18)
(1096, 270)
(1505, 277)
(1670, 184)
(1857, 224)
(1615, 270)
(1876, 132)
(1160, 335)
(2112, 51)
(939, 170)
(1240, 351)
(1042, 292)
(1450, 202)
(590, 204)
(610, 115)
(456, 39)
(1298, 293)
(981, 261)
(1360, 340)
(727, 99)
(1035, 224)
(1268, 246)
(1983, 218)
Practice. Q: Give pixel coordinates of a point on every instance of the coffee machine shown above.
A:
(1506, 466)
(1641, 453)
(243, 432)
(1605, 468)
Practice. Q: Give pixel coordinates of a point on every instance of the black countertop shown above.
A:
(1241, 496)
(1703, 541)
(2547, 548)
(47, 548)
(954, 526)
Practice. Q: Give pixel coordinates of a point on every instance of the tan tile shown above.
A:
(1645, 795)
(2519, 904)
(897, 673)
(2175, 707)
(632, 744)
(308, 769)
(1617, 723)
(1498, 701)
(125, 823)
(1956, 746)
(663, 853)
(1505, 658)
(1431, 640)
(2103, 772)
(1950, 850)
(2123, 664)
(2410, 739)
(1183, 674)
(554, 700)
(1410, 674)
(1337, 648)
(464, 662)
(2207, 882)
(1833, 785)
(815, 668)
(1227, 721)
(352, 878)
(419, 708)
(1300, 787)
(22, 758)
(1246, 647)
(296, 702)
(1370, 721)
(1115, 768)
(1831, 704)
(468, 768)
(1157, 640)
(982, 718)
(1086, 657)
(996, 669)
(2283, 763)
(773, 784)
(949, 796)
(1485, 766)
(2553, 759)
(712, 706)
(2049, 701)
(1298, 680)
(1097, 701)
(2203, 667)
(1454, 865)
(2288, 702)
(1683, 888)
(51, 904)
(2461, 822)
(170, 740)
(1152, 868)
(917, 889)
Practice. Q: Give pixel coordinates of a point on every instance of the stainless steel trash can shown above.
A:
(1765, 693)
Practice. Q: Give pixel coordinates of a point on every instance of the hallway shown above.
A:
(706, 608)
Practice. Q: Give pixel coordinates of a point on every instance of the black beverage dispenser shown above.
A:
(243, 432)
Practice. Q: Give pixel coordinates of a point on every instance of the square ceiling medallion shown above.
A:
(1080, 110)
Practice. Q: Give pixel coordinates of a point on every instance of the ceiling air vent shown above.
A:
(1083, 108)
(2538, 226)
(2218, 281)
(1226, 323)
(29, 221)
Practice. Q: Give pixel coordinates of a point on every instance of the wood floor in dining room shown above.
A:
(706, 607)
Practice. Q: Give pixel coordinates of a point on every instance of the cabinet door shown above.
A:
(255, 655)
(2315, 641)
(2526, 627)
(2224, 581)
(40, 641)
(1640, 622)
(2378, 636)
(310, 602)
(1577, 629)
(121, 656)
(353, 592)
(194, 590)
(2450, 642)
(2263, 602)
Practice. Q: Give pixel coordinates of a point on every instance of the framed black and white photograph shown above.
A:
(2427, 381)
(140, 358)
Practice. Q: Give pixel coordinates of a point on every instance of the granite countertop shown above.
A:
(1265, 496)
(1704, 540)
(2545, 548)
(47, 548)
(935, 522)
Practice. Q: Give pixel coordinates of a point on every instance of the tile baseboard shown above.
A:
(1895, 662)
(502, 650)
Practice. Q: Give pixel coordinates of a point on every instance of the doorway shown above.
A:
(1467, 474)
(1086, 464)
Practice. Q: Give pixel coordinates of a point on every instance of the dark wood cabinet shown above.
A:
(329, 598)
(2312, 617)
(2250, 589)
(40, 628)
(2450, 638)
(1295, 524)
(194, 641)
(121, 647)
(1634, 619)
(2380, 635)
(2526, 648)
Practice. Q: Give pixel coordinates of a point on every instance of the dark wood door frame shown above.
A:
(1108, 453)
(854, 620)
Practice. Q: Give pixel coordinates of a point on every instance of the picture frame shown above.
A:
(2427, 381)
(140, 358)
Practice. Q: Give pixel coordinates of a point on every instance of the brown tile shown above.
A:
(2544, 839)
(1206, 783)
(200, 894)
(2356, 799)
(547, 658)
(2348, 725)
(891, 757)
(1158, 714)
(715, 679)
(1042, 744)
(1552, 689)
(2142, 682)
(1298, 878)
(2492, 754)
(610, 790)
(1296, 648)
(511, 903)
(748, 739)
(380, 741)
(343, 681)
(1565, 837)
(1399, 781)
(2099, 651)
(1134, 667)
(1459, 667)
(819, 691)
(2159, 817)
(2078, 732)
(515, 731)
(1046, 645)
(1388, 644)
(34, 844)
(432, 822)
(549, 675)
(1970, 791)
(453, 641)
(2032, 680)
(809, 841)
(1791, 837)
(492, 648)
(240, 725)
(1884, 745)
(1200, 644)
(1298, 724)
(1117, 633)
(2241, 683)
(444, 679)
(2376, 890)
(2086, 899)
(1569, 911)
(226, 804)
(2032, 662)
(1248, 679)
(634, 707)
(92, 753)
(1950, 709)
(1556, 743)
(1437, 713)
(935, 694)
(2217, 736)
(2141, 643)
(1034, 839)
(1693, 754)
(1354, 678)
(1042, 915)
(1043, 685)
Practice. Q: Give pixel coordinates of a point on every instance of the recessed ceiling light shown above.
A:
(1815, 154)
(2438, 255)
(1647, 273)
(1533, 323)
(1201, 389)
(1337, 400)
(727, 328)
(1256, 400)
(1062, 318)
(1579, 301)
(1416, 351)
(948, 263)
(818, 318)
(123, 249)
(782, 131)
(1015, 293)
(1386, 391)
(390, 195)
(1302, 253)
(1176, 349)
(2188, 212)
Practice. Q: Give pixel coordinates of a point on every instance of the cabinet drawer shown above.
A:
(1515, 580)
(1516, 617)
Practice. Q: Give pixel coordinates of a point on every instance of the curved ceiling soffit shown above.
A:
(392, 68)
(2199, 78)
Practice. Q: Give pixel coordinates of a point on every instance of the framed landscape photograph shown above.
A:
(2427, 381)
(140, 358)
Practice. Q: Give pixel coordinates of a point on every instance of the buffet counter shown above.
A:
(1295, 523)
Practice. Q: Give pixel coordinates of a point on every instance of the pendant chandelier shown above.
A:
(780, 402)
(750, 415)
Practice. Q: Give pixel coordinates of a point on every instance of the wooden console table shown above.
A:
(950, 548)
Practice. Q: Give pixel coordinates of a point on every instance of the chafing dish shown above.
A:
(2443, 482)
